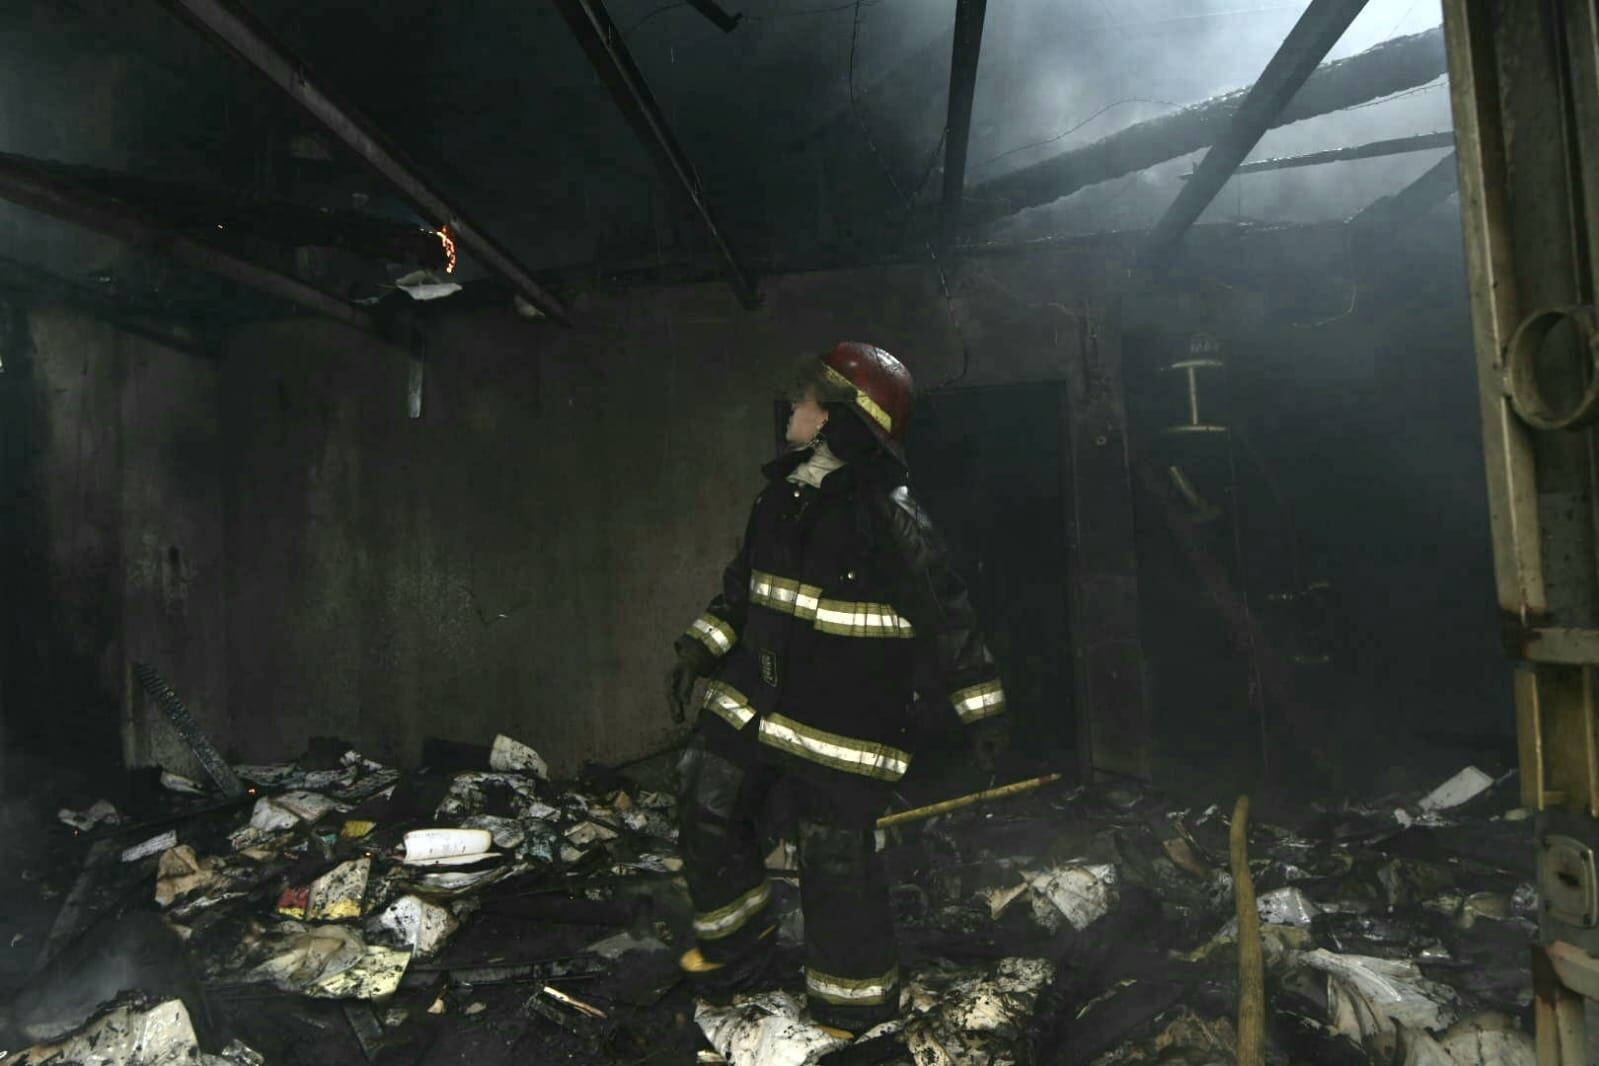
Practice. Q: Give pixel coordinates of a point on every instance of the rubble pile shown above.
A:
(476, 910)
(1394, 933)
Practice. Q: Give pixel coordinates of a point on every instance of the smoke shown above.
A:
(1056, 75)
(1114, 65)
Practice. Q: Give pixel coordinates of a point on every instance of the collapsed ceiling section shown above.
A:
(326, 161)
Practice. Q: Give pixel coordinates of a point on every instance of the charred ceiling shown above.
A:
(685, 139)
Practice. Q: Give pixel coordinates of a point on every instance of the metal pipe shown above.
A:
(918, 814)
(1307, 44)
(602, 42)
(1251, 962)
(229, 25)
(22, 185)
(963, 59)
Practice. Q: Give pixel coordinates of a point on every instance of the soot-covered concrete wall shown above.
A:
(115, 546)
(520, 557)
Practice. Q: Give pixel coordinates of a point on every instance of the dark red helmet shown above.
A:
(874, 385)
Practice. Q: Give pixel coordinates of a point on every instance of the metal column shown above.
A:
(958, 126)
(1524, 85)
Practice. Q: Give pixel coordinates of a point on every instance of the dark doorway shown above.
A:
(989, 465)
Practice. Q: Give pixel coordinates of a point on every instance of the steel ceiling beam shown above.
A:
(717, 14)
(195, 208)
(603, 44)
(33, 284)
(963, 58)
(1434, 186)
(1382, 70)
(1307, 44)
(27, 186)
(1420, 142)
(228, 25)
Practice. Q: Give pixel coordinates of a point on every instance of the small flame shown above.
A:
(449, 249)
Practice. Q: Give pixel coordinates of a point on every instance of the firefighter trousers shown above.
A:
(851, 972)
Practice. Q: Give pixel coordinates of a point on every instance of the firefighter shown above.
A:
(840, 590)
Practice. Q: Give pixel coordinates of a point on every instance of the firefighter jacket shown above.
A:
(836, 595)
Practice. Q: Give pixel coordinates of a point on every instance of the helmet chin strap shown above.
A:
(816, 438)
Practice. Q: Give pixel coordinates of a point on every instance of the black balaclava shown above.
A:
(847, 436)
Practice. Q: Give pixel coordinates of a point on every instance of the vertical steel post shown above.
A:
(968, 46)
(1525, 95)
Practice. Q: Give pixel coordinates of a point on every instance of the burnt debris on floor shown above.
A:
(346, 912)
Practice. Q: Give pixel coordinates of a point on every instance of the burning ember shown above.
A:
(449, 249)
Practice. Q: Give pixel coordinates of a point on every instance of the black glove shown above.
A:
(680, 689)
(691, 665)
(990, 738)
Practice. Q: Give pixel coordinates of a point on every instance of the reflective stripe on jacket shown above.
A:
(823, 613)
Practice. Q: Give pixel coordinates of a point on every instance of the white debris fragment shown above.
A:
(272, 813)
(273, 776)
(960, 1015)
(507, 833)
(614, 947)
(97, 813)
(1464, 786)
(307, 806)
(467, 795)
(375, 975)
(1488, 1039)
(420, 925)
(162, 1035)
(585, 833)
(237, 1053)
(337, 894)
(305, 954)
(512, 756)
(423, 845)
(1286, 906)
(1367, 995)
(454, 883)
(154, 846)
(269, 817)
(181, 872)
(426, 285)
(178, 783)
(765, 1029)
(998, 899)
(1080, 894)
